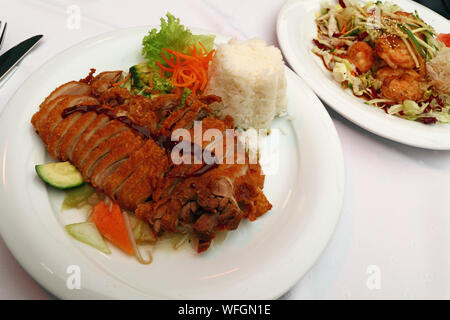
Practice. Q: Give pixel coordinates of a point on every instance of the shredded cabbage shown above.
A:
(412, 110)
(388, 6)
(340, 72)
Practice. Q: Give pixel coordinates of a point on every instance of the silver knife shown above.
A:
(11, 57)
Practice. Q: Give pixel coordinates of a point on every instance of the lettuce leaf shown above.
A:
(172, 35)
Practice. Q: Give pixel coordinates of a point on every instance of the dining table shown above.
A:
(392, 240)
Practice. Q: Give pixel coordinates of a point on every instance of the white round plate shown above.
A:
(261, 260)
(296, 29)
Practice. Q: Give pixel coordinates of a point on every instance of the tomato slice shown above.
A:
(445, 38)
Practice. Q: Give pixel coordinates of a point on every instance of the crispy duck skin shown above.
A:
(117, 154)
(103, 81)
(58, 133)
(136, 169)
(102, 150)
(62, 125)
(141, 183)
(73, 134)
(93, 138)
(75, 151)
(72, 88)
(39, 117)
(47, 119)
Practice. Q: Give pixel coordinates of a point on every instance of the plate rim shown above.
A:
(9, 242)
(334, 102)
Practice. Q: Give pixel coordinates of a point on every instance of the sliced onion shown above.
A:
(89, 215)
(181, 241)
(137, 253)
(109, 203)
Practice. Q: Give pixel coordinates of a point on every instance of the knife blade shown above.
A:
(11, 57)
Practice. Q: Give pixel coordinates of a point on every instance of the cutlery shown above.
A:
(11, 57)
(3, 30)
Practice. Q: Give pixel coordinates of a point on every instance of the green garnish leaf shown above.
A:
(172, 35)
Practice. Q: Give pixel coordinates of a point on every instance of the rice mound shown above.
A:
(249, 77)
(438, 70)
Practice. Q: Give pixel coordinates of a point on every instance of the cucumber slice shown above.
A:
(88, 233)
(60, 175)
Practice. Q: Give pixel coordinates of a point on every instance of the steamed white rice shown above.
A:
(249, 77)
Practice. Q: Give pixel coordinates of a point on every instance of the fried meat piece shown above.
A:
(88, 145)
(118, 153)
(142, 182)
(73, 134)
(117, 180)
(103, 81)
(122, 138)
(47, 121)
(139, 171)
(72, 88)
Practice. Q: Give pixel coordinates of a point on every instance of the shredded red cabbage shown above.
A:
(362, 36)
(374, 92)
(428, 120)
(320, 45)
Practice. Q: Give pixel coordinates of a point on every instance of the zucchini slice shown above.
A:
(60, 175)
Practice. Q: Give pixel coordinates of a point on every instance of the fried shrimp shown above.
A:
(394, 52)
(400, 84)
(387, 72)
(361, 55)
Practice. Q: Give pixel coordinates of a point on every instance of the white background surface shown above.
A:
(396, 213)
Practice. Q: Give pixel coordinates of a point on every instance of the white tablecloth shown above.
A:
(395, 224)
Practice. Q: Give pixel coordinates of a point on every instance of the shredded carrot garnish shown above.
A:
(122, 82)
(187, 70)
(344, 28)
(150, 80)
